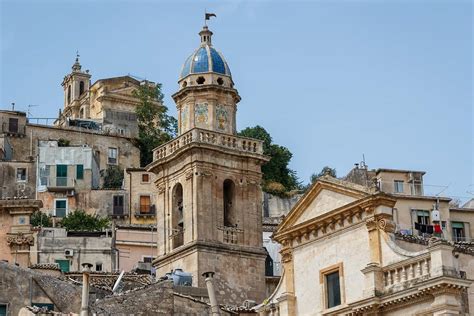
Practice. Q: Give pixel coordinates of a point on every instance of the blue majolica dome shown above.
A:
(205, 59)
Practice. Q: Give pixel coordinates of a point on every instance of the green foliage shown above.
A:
(63, 142)
(155, 126)
(325, 171)
(39, 218)
(81, 221)
(276, 170)
(113, 177)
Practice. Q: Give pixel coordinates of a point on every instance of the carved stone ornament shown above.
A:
(286, 255)
(20, 240)
(161, 189)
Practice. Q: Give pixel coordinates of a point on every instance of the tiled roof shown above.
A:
(46, 266)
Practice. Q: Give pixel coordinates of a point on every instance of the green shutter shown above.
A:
(80, 172)
(63, 265)
(3, 310)
(457, 225)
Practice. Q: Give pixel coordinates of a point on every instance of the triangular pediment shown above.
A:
(325, 195)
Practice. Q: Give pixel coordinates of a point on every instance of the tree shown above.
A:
(325, 171)
(155, 126)
(81, 221)
(276, 171)
(113, 177)
(39, 218)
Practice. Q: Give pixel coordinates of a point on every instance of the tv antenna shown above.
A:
(28, 112)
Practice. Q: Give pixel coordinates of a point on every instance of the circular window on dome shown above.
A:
(200, 80)
(220, 81)
(185, 84)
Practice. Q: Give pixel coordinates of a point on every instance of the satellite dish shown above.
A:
(117, 283)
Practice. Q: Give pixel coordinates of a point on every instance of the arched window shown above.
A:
(69, 94)
(81, 88)
(177, 220)
(268, 265)
(230, 216)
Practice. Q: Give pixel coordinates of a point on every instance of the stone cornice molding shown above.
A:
(344, 216)
(327, 183)
(20, 206)
(187, 92)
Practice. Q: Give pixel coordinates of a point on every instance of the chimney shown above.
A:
(86, 270)
(215, 311)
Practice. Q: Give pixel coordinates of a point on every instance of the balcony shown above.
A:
(57, 184)
(230, 235)
(205, 137)
(144, 211)
(119, 211)
(13, 129)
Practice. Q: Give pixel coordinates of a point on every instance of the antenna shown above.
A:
(28, 112)
(13, 106)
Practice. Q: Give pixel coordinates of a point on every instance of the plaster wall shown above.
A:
(134, 245)
(314, 256)
(10, 186)
(94, 250)
(275, 206)
(405, 219)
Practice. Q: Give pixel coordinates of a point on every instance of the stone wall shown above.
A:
(17, 285)
(275, 206)
(155, 299)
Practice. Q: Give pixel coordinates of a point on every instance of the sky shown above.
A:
(334, 81)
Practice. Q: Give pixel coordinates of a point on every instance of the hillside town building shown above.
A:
(194, 228)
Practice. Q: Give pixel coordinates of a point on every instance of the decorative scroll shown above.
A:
(20, 239)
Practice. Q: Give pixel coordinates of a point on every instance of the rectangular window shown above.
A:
(398, 186)
(333, 289)
(148, 259)
(458, 231)
(79, 172)
(423, 217)
(13, 125)
(61, 175)
(112, 156)
(98, 267)
(44, 175)
(145, 204)
(118, 205)
(60, 208)
(20, 174)
(63, 265)
(331, 279)
(145, 177)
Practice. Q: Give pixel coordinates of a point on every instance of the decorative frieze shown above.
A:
(20, 240)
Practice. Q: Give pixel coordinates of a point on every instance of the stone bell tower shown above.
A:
(208, 208)
(75, 84)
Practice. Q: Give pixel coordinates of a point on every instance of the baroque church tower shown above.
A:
(209, 210)
(75, 84)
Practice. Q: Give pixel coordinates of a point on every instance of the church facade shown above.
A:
(208, 178)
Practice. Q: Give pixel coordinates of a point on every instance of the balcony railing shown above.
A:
(406, 273)
(13, 129)
(60, 182)
(118, 211)
(230, 235)
(203, 136)
(144, 212)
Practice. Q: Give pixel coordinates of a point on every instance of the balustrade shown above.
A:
(209, 137)
(408, 271)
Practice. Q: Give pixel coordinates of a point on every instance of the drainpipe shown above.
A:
(215, 311)
(86, 269)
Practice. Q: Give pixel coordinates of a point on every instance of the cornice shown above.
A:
(344, 216)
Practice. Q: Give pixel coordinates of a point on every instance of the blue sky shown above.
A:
(331, 80)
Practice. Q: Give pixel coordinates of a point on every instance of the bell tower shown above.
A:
(75, 84)
(209, 208)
